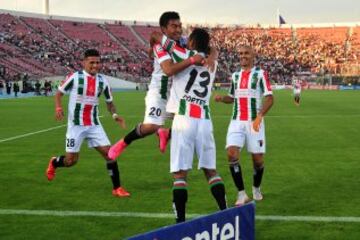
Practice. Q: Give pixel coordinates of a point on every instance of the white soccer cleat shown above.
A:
(242, 198)
(257, 195)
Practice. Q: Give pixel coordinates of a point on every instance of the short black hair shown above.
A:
(91, 53)
(201, 40)
(166, 17)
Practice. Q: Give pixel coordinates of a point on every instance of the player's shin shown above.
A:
(133, 135)
(236, 174)
(217, 188)
(258, 173)
(114, 174)
(180, 196)
(58, 161)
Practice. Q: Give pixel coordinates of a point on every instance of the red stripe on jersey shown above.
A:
(87, 115)
(91, 83)
(243, 102)
(195, 111)
(244, 111)
(180, 49)
(267, 81)
(159, 51)
(244, 79)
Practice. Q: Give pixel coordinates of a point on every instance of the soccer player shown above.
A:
(85, 88)
(157, 95)
(248, 86)
(192, 129)
(297, 92)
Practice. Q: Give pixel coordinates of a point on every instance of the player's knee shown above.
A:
(258, 162)
(232, 154)
(180, 174)
(209, 173)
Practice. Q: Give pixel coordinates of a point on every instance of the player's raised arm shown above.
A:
(169, 67)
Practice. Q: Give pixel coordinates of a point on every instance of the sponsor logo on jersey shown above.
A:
(191, 99)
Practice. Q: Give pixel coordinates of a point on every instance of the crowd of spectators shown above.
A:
(45, 47)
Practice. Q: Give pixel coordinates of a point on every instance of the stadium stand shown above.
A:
(46, 46)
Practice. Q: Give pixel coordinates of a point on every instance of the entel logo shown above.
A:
(228, 231)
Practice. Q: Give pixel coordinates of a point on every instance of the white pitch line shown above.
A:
(138, 116)
(168, 215)
(31, 133)
(275, 116)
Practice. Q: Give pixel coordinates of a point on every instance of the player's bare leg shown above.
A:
(217, 187)
(180, 195)
(113, 170)
(233, 153)
(258, 163)
(70, 159)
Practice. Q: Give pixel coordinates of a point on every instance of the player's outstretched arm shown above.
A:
(112, 109)
(223, 99)
(59, 113)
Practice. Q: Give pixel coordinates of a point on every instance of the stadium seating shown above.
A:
(44, 47)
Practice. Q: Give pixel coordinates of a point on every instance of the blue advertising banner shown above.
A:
(352, 87)
(236, 223)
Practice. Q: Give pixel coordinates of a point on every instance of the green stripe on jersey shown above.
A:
(177, 58)
(95, 115)
(254, 80)
(77, 114)
(207, 112)
(182, 107)
(253, 109)
(70, 84)
(235, 109)
(164, 86)
(262, 86)
(101, 86)
(81, 84)
(107, 93)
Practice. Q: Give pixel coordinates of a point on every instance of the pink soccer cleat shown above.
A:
(163, 134)
(51, 170)
(117, 149)
(120, 192)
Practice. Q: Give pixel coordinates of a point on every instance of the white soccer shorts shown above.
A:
(241, 132)
(190, 135)
(155, 110)
(75, 135)
(297, 92)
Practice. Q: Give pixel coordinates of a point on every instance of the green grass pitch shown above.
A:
(311, 169)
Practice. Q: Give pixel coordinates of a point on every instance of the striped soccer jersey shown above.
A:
(247, 88)
(85, 91)
(191, 88)
(159, 81)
